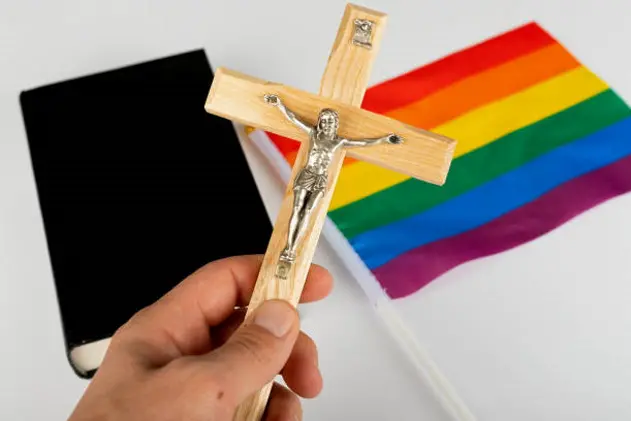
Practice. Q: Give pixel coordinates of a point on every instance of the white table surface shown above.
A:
(542, 332)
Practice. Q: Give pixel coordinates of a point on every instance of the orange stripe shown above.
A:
(291, 157)
(431, 78)
(484, 88)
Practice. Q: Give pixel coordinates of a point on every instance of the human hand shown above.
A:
(189, 357)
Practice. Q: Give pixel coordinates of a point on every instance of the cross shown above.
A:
(328, 126)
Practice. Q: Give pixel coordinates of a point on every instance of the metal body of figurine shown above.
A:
(312, 179)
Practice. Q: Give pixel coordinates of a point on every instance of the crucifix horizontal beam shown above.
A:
(239, 97)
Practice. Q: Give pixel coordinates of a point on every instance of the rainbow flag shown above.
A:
(541, 139)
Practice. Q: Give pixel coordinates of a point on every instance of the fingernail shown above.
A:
(275, 317)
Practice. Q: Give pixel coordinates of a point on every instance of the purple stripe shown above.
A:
(413, 270)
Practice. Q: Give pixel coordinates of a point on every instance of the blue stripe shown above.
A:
(496, 197)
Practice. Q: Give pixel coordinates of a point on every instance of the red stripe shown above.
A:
(284, 144)
(413, 270)
(421, 82)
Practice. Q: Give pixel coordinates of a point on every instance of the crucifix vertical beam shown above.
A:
(345, 79)
(326, 125)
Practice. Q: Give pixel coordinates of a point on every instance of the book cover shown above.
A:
(138, 187)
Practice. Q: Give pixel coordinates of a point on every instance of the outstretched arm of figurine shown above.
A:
(391, 138)
(276, 102)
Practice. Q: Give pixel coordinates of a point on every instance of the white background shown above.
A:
(542, 332)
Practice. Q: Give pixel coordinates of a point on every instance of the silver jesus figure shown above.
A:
(311, 180)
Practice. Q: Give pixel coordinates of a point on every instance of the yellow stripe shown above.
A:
(479, 127)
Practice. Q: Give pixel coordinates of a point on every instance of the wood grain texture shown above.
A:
(238, 97)
(340, 81)
(345, 80)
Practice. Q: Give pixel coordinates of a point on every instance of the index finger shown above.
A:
(179, 323)
(242, 272)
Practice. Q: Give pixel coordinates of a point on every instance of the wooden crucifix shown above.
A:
(328, 125)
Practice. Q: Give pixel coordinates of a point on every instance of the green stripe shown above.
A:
(477, 167)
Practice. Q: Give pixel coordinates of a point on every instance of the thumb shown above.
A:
(258, 350)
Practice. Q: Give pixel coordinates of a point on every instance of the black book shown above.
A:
(138, 187)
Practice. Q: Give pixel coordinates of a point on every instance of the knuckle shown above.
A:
(251, 345)
(308, 339)
(183, 366)
(134, 321)
(121, 335)
(284, 405)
